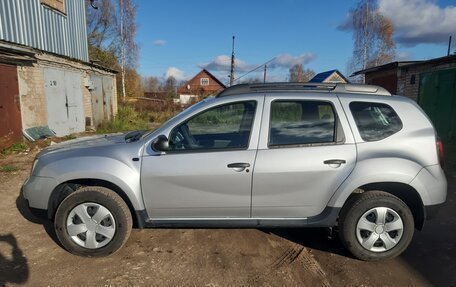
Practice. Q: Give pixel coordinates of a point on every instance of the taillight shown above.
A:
(439, 144)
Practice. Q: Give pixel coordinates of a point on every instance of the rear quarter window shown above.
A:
(375, 121)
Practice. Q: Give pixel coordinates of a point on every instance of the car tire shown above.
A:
(93, 221)
(376, 225)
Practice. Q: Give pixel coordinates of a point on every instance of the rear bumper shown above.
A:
(431, 184)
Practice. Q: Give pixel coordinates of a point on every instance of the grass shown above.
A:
(8, 168)
(129, 119)
(16, 148)
(70, 137)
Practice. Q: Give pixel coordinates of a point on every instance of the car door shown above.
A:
(207, 171)
(306, 151)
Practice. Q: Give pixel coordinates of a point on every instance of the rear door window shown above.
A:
(375, 121)
(301, 123)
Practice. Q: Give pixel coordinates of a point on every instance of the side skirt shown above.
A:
(328, 218)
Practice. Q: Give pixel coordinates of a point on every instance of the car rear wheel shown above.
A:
(93, 221)
(376, 225)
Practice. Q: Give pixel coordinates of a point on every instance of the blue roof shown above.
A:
(320, 77)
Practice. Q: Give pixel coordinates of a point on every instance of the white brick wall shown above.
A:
(31, 88)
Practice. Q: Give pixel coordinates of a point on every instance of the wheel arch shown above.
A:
(404, 192)
(63, 190)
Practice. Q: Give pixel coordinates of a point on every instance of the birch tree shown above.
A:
(127, 33)
(372, 37)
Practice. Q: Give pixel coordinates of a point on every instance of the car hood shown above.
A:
(85, 142)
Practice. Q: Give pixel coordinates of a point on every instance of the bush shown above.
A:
(16, 148)
(8, 168)
(139, 115)
(127, 119)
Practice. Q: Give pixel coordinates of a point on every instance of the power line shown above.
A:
(251, 71)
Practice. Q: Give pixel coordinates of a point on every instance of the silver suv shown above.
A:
(266, 155)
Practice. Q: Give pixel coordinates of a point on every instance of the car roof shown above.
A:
(304, 87)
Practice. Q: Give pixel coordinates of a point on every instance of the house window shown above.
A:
(58, 5)
(412, 80)
(204, 81)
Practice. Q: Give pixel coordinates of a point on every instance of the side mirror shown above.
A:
(161, 143)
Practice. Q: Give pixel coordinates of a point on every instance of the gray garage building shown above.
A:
(47, 81)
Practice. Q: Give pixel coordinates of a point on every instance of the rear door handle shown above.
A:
(238, 165)
(334, 161)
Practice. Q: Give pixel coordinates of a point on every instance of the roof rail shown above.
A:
(322, 87)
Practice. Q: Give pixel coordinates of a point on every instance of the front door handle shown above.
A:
(335, 161)
(239, 166)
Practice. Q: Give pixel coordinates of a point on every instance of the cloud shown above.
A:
(288, 60)
(159, 42)
(419, 21)
(178, 74)
(415, 21)
(403, 55)
(222, 63)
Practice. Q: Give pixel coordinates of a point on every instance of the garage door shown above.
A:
(10, 113)
(101, 98)
(64, 101)
(437, 97)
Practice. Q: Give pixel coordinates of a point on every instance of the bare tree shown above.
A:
(170, 87)
(111, 31)
(127, 33)
(102, 32)
(372, 35)
(298, 74)
(101, 23)
(151, 84)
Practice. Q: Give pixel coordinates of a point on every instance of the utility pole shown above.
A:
(122, 48)
(264, 75)
(232, 65)
(449, 46)
(366, 24)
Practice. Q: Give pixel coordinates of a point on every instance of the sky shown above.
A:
(180, 37)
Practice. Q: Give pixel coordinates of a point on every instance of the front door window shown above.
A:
(224, 127)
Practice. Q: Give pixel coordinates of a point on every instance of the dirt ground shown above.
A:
(30, 254)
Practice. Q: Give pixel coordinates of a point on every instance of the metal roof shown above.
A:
(312, 87)
(321, 77)
(385, 67)
(401, 64)
(33, 24)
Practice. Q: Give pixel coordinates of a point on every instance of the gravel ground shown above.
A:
(30, 254)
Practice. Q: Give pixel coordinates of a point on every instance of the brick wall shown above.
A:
(33, 99)
(32, 92)
(409, 78)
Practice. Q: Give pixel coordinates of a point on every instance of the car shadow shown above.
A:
(22, 206)
(13, 265)
(323, 239)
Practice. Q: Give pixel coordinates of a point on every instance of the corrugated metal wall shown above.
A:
(29, 23)
(437, 97)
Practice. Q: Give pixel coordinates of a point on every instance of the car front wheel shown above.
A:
(93, 221)
(376, 225)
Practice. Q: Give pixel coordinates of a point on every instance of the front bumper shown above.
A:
(37, 191)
